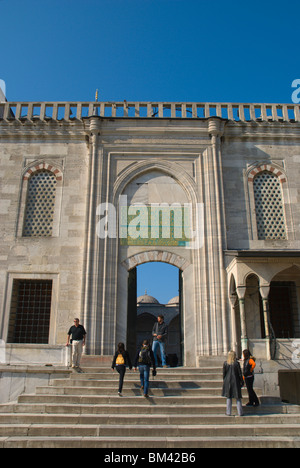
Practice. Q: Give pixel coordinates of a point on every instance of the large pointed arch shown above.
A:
(170, 168)
(184, 260)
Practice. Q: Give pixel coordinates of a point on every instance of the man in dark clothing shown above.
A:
(160, 333)
(78, 334)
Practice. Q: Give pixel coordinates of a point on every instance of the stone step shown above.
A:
(128, 400)
(109, 391)
(169, 370)
(150, 442)
(105, 361)
(113, 383)
(184, 410)
(146, 431)
(150, 420)
(96, 361)
(142, 409)
(130, 375)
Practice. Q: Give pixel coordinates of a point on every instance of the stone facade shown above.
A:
(207, 155)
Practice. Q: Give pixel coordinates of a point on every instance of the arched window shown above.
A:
(40, 203)
(269, 207)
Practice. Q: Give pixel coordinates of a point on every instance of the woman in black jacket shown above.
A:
(233, 383)
(120, 361)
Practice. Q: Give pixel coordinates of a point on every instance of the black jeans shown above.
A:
(253, 400)
(122, 370)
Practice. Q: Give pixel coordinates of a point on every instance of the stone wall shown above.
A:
(151, 152)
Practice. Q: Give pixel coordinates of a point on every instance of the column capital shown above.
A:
(264, 291)
(241, 292)
(216, 127)
(95, 125)
(233, 299)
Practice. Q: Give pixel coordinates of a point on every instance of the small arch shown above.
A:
(155, 256)
(43, 166)
(271, 168)
(248, 276)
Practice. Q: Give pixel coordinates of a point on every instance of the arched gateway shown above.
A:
(133, 338)
(167, 208)
(154, 187)
(154, 199)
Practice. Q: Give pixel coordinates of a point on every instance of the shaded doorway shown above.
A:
(165, 282)
(132, 313)
(145, 324)
(283, 308)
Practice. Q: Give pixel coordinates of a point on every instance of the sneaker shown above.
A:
(120, 394)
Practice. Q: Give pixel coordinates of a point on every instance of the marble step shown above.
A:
(150, 442)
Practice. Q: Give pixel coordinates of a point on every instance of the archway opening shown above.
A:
(154, 289)
(283, 303)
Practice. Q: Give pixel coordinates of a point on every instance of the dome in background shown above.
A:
(174, 301)
(147, 299)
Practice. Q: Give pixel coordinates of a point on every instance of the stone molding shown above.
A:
(267, 167)
(43, 165)
(156, 256)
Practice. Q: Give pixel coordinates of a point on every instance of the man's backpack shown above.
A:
(144, 357)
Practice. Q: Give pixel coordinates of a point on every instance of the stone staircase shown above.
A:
(184, 411)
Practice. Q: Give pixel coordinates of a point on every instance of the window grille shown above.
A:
(269, 208)
(40, 205)
(30, 312)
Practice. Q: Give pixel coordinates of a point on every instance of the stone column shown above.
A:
(264, 292)
(234, 342)
(90, 287)
(217, 238)
(241, 291)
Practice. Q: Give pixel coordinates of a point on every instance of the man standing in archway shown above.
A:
(160, 333)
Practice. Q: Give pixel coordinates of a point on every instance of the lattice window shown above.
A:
(269, 207)
(40, 204)
(30, 312)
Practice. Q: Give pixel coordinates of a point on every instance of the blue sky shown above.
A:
(159, 280)
(150, 50)
(140, 50)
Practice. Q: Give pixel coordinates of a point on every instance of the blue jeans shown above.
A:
(162, 347)
(144, 375)
(238, 404)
